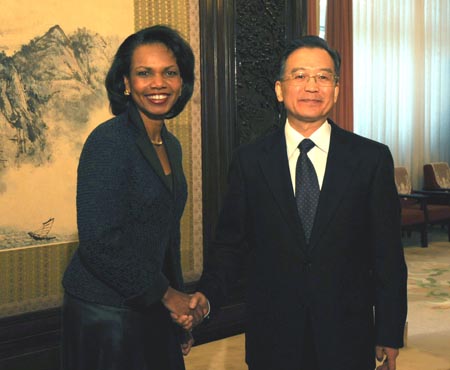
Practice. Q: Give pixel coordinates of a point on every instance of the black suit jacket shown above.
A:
(354, 266)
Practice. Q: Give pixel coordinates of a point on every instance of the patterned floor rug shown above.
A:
(428, 337)
(429, 275)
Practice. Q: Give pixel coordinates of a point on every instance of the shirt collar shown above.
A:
(321, 138)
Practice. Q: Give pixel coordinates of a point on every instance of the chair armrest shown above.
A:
(438, 196)
(421, 199)
(440, 192)
(414, 196)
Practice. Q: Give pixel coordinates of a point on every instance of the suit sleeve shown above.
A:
(390, 271)
(226, 251)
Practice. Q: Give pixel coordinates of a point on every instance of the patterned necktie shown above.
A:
(307, 189)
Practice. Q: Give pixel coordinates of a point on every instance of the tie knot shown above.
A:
(306, 145)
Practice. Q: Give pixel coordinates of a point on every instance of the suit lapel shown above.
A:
(275, 167)
(339, 170)
(174, 158)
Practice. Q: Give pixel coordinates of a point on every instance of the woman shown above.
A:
(125, 278)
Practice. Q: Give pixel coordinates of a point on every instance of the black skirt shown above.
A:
(101, 337)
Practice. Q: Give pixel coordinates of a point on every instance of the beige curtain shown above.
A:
(339, 34)
(313, 17)
(402, 79)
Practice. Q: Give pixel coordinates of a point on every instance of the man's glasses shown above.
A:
(323, 79)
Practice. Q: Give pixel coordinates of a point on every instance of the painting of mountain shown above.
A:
(51, 96)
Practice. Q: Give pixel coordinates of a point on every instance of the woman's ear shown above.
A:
(126, 82)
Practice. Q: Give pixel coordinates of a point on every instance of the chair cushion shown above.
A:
(402, 180)
(412, 216)
(438, 212)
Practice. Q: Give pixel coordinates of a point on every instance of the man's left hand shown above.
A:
(388, 356)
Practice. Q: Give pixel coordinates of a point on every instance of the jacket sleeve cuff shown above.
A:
(151, 295)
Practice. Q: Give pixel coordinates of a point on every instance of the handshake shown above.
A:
(187, 310)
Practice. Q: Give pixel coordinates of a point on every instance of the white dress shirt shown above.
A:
(318, 154)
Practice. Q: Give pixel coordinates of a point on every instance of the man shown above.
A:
(326, 272)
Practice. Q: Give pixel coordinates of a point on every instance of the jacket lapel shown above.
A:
(339, 169)
(275, 167)
(144, 144)
(174, 158)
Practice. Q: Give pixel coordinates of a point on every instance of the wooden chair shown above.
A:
(413, 207)
(435, 214)
(436, 178)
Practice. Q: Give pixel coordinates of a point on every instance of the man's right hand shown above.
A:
(199, 301)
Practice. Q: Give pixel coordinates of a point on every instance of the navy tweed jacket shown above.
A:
(128, 217)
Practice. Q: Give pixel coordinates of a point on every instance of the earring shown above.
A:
(126, 92)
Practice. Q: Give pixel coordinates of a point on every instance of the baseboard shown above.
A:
(45, 359)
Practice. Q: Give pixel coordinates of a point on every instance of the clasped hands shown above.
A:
(187, 310)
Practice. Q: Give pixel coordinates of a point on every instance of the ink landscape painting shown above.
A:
(52, 94)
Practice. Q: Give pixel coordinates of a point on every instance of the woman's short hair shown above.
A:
(121, 64)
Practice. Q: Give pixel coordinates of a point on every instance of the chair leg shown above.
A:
(424, 237)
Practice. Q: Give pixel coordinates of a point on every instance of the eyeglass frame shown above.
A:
(334, 79)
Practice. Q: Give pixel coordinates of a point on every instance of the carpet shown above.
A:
(428, 336)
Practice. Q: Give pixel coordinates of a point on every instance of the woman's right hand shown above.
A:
(178, 304)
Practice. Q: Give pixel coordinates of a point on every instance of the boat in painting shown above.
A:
(43, 231)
